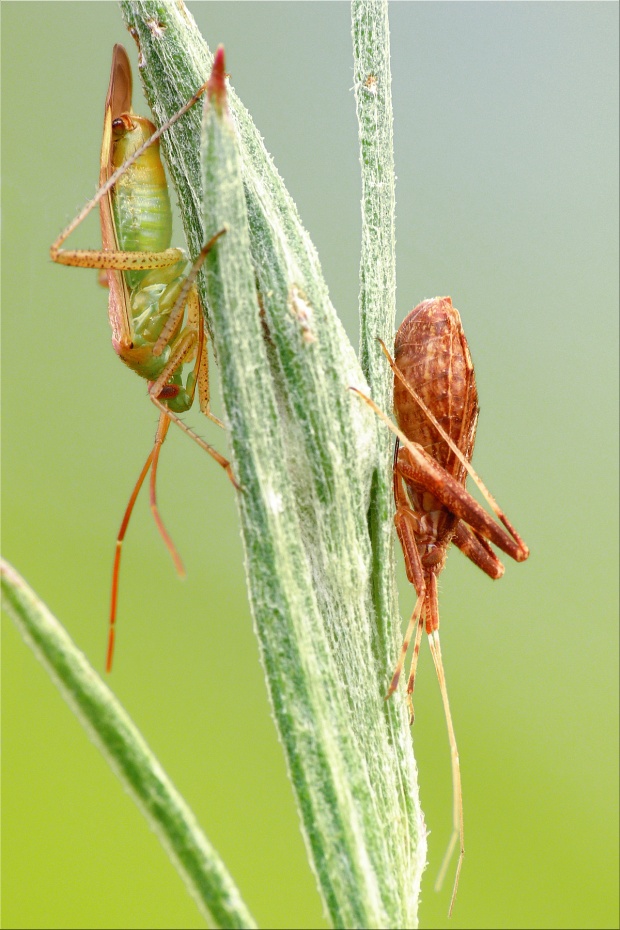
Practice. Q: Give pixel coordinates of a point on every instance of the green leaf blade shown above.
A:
(124, 748)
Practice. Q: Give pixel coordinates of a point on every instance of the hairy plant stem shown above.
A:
(307, 457)
(313, 467)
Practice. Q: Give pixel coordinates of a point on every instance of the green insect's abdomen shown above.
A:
(140, 201)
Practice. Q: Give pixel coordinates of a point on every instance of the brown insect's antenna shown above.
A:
(457, 824)
(524, 551)
(383, 416)
(457, 793)
(152, 460)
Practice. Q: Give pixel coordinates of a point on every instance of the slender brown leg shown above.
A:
(197, 439)
(184, 349)
(183, 352)
(423, 469)
(186, 345)
(405, 523)
(164, 423)
(179, 307)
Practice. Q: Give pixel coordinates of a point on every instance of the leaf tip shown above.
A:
(216, 87)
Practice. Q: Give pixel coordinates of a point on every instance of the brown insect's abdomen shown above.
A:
(431, 351)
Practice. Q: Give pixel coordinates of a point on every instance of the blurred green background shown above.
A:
(506, 131)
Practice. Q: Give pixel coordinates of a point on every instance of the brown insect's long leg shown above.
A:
(414, 464)
(403, 521)
(415, 574)
(457, 813)
(162, 429)
(414, 620)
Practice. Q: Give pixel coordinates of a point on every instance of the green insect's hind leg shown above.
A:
(151, 462)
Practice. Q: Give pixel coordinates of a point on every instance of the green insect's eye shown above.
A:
(121, 125)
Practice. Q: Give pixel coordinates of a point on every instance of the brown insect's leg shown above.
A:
(415, 574)
(424, 470)
(457, 814)
(476, 548)
(414, 667)
(415, 621)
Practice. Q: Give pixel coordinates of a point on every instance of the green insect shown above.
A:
(154, 309)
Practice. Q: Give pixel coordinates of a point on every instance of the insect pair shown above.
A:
(158, 328)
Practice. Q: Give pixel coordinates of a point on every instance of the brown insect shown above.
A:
(436, 406)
